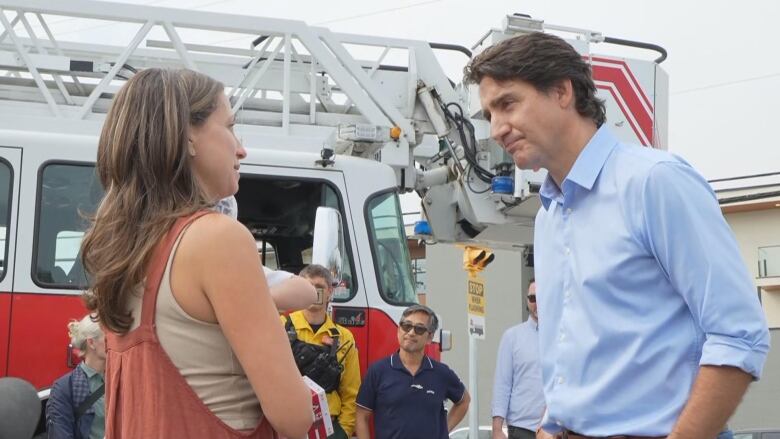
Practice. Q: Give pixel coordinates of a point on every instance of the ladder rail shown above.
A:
(319, 84)
(28, 61)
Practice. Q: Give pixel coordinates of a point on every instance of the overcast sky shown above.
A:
(723, 67)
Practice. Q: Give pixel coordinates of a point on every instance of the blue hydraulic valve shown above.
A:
(503, 185)
(422, 228)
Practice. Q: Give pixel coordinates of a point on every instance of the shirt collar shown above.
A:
(87, 370)
(299, 322)
(585, 169)
(396, 363)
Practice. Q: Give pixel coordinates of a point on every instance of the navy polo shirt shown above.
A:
(406, 406)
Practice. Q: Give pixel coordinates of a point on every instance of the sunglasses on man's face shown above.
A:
(407, 326)
(532, 298)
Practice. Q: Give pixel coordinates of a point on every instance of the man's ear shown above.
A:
(563, 92)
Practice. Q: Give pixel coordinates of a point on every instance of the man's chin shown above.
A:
(521, 163)
(526, 166)
(410, 348)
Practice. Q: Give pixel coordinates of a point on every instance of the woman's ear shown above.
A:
(191, 147)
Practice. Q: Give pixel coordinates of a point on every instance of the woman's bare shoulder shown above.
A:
(217, 227)
(217, 238)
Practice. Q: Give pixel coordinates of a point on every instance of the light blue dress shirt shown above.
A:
(517, 385)
(639, 282)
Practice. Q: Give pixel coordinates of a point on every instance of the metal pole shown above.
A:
(473, 390)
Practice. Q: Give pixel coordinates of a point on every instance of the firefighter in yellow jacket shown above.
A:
(313, 325)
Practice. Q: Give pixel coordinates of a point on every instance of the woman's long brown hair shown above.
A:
(144, 166)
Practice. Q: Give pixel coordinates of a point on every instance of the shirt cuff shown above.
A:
(364, 407)
(720, 350)
(499, 410)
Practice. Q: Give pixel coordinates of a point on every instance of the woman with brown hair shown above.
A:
(194, 348)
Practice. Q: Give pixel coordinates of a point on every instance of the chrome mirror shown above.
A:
(445, 340)
(328, 248)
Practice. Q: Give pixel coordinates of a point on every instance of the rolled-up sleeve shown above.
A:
(502, 381)
(686, 232)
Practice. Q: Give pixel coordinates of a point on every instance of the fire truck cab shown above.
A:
(48, 192)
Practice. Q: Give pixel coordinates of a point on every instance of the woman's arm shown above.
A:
(221, 257)
(293, 293)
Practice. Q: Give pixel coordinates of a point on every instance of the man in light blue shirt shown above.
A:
(518, 399)
(650, 323)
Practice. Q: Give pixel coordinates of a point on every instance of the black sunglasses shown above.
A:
(532, 298)
(407, 326)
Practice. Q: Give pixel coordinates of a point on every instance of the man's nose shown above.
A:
(498, 129)
(241, 152)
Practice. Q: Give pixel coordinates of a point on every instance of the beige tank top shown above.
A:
(204, 357)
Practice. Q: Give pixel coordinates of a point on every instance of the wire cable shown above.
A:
(725, 84)
(468, 140)
(382, 11)
(468, 182)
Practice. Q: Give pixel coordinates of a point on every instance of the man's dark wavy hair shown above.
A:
(541, 60)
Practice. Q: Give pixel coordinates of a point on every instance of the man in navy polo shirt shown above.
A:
(406, 391)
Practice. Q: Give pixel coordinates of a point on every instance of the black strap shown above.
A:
(91, 399)
(292, 334)
(334, 347)
(289, 324)
(346, 352)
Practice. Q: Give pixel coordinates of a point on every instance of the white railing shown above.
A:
(769, 261)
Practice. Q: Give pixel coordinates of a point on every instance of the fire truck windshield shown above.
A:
(389, 248)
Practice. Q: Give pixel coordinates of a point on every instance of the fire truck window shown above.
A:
(391, 254)
(280, 212)
(5, 212)
(67, 195)
(267, 255)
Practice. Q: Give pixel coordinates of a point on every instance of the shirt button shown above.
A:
(562, 337)
(567, 250)
(568, 211)
(567, 294)
(560, 380)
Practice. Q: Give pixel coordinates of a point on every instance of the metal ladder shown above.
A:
(290, 74)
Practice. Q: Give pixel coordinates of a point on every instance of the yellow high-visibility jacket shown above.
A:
(341, 401)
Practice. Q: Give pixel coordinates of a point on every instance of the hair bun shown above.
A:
(73, 329)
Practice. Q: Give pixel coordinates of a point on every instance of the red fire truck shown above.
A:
(328, 119)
